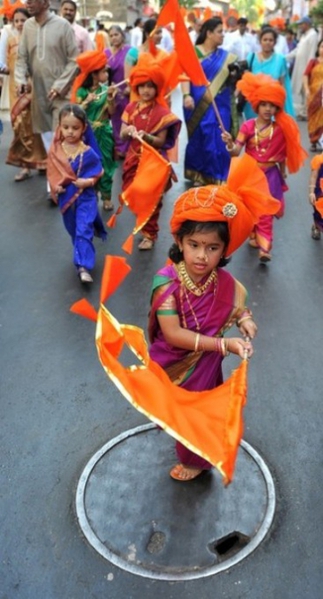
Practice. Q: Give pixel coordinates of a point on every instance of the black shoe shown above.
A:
(50, 201)
(315, 233)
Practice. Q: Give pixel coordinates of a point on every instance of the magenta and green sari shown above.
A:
(216, 310)
(268, 148)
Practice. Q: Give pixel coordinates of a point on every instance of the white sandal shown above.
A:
(84, 275)
(146, 244)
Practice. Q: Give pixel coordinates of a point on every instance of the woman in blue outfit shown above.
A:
(206, 159)
(269, 62)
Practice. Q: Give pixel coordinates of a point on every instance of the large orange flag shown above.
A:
(172, 70)
(147, 187)
(207, 422)
(171, 13)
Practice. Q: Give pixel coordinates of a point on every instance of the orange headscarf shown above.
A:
(148, 69)
(92, 60)
(240, 202)
(263, 88)
(278, 23)
(8, 9)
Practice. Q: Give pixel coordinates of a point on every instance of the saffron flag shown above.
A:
(207, 422)
(172, 70)
(171, 13)
(148, 185)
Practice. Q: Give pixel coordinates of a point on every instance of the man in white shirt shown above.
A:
(82, 36)
(136, 34)
(166, 42)
(196, 28)
(304, 51)
(241, 42)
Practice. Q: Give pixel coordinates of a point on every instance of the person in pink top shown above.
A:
(82, 36)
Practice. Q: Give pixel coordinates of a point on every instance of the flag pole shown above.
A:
(216, 110)
(113, 85)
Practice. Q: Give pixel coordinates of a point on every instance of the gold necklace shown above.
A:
(72, 155)
(186, 280)
(147, 115)
(259, 136)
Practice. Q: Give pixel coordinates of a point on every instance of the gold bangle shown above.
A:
(239, 322)
(197, 341)
(245, 314)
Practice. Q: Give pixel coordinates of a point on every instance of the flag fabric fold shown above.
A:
(145, 191)
(171, 13)
(207, 422)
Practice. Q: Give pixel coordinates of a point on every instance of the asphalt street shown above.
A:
(58, 407)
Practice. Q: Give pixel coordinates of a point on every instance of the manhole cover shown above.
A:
(138, 518)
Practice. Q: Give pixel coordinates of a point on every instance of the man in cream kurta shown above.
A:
(46, 53)
(304, 51)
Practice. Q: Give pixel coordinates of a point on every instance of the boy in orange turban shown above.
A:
(273, 140)
(147, 117)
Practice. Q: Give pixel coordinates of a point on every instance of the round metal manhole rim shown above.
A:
(138, 570)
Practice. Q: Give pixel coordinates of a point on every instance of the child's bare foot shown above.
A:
(184, 473)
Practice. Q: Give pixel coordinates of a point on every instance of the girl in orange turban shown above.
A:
(149, 118)
(90, 90)
(273, 140)
(195, 301)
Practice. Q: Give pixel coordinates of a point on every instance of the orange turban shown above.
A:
(278, 23)
(240, 202)
(92, 60)
(263, 88)
(148, 69)
(8, 9)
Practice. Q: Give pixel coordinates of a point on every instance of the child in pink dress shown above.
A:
(273, 140)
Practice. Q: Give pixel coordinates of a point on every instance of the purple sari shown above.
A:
(215, 310)
(116, 66)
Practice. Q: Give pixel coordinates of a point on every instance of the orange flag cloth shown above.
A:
(147, 187)
(207, 422)
(8, 9)
(170, 13)
(172, 70)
